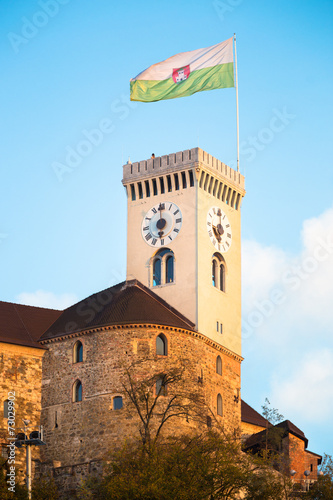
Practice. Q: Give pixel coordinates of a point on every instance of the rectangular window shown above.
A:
(154, 187)
(221, 328)
(184, 180)
(147, 189)
(176, 182)
(169, 184)
(140, 190)
(133, 192)
(162, 185)
(191, 178)
(217, 326)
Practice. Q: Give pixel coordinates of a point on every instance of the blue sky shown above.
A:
(66, 67)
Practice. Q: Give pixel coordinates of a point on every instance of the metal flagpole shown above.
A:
(236, 85)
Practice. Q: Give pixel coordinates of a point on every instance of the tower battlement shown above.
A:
(182, 160)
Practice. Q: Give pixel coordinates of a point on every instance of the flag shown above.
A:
(186, 73)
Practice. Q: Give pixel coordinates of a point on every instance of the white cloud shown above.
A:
(279, 288)
(308, 391)
(42, 298)
(287, 323)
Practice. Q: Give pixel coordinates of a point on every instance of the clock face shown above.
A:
(161, 224)
(219, 229)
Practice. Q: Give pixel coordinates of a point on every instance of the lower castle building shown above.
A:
(175, 323)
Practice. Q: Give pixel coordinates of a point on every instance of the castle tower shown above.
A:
(184, 238)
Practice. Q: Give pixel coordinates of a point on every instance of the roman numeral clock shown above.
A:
(183, 238)
(161, 224)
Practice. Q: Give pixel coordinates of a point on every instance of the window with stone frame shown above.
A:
(5, 408)
(77, 391)
(161, 388)
(219, 405)
(78, 352)
(117, 403)
(161, 345)
(219, 365)
(162, 267)
(218, 271)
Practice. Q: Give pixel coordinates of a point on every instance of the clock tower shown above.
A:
(184, 238)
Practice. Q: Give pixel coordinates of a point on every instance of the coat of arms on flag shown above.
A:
(181, 74)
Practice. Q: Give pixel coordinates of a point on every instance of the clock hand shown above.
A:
(160, 224)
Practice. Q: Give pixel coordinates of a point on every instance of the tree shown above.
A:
(206, 466)
(323, 488)
(273, 434)
(6, 494)
(44, 488)
(161, 397)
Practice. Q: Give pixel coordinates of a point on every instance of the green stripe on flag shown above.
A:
(215, 77)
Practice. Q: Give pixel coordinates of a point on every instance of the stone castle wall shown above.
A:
(21, 375)
(82, 433)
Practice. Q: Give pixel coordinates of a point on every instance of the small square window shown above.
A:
(117, 403)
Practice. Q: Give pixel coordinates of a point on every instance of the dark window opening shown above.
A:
(162, 185)
(117, 403)
(169, 183)
(222, 277)
(191, 178)
(219, 405)
(78, 352)
(77, 391)
(154, 187)
(169, 269)
(133, 192)
(214, 277)
(219, 365)
(147, 189)
(176, 182)
(184, 180)
(157, 272)
(140, 190)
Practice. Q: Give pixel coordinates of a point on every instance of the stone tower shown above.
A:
(184, 238)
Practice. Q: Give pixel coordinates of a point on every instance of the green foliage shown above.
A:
(5, 494)
(271, 414)
(200, 467)
(44, 488)
(323, 488)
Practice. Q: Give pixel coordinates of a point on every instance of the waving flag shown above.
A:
(186, 73)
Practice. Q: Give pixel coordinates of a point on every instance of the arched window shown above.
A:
(163, 267)
(169, 269)
(78, 352)
(218, 271)
(157, 271)
(221, 283)
(5, 408)
(161, 387)
(161, 345)
(219, 365)
(77, 391)
(214, 277)
(117, 403)
(219, 405)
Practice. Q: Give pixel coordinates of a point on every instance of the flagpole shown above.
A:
(237, 118)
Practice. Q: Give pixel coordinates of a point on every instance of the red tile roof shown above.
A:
(23, 325)
(126, 303)
(286, 427)
(251, 416)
